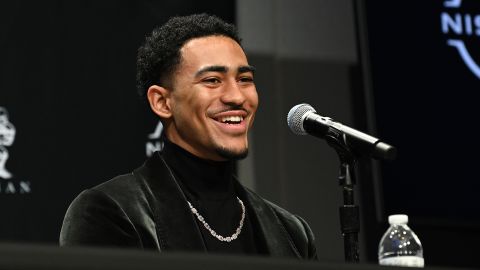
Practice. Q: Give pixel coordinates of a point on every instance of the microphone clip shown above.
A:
(347, 157)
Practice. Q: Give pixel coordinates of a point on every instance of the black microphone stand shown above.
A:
(349, 212)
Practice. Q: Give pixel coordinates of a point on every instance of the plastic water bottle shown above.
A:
(399, 245)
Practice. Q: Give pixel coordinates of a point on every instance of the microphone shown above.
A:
(303, 119)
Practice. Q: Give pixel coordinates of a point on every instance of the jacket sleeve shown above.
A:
(298, 231)
(95, 219)
(311, 250)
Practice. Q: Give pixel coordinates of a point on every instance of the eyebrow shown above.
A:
(224, 69)
(248, 68)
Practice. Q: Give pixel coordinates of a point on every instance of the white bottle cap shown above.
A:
(397, 219)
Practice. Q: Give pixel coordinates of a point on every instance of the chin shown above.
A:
(232, 154)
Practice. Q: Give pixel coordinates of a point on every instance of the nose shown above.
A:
(233, 94)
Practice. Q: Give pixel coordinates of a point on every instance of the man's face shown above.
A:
(213, 100)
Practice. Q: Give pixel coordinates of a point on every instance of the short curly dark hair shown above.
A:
(160, 55)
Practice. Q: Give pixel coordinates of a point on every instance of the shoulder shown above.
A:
(111, 192)
(127, 190)
(111, 213)
(93, 218)
(118, 184)
(126, 194)
(105, 194)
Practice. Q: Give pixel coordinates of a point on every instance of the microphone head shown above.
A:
(296, 115)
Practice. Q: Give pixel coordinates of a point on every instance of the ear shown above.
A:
(158, 97)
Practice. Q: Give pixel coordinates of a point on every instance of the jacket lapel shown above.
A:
(175, 224)
(277, 239)
(176, 227)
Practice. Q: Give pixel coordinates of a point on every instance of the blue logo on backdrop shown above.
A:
(461, 25)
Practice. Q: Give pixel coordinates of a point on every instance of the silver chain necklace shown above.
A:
(214, 233)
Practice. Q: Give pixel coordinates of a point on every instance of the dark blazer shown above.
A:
(147, 209)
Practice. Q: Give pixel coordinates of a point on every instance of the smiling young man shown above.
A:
(211, 99)
(197, 79)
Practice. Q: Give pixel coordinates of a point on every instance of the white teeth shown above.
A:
(234, 119)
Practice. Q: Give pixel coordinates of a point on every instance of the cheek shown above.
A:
(253, 98)
(197, 107)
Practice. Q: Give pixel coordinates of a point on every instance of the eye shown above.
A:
(246, 79)
(211, 80)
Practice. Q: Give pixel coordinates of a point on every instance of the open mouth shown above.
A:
(231, 120)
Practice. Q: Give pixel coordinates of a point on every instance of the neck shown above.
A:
(204, 179)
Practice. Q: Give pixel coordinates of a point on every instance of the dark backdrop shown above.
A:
(67, 83)
(426, 103)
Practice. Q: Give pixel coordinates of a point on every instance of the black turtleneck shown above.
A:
(209, 186)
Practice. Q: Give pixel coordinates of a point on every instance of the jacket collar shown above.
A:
(176, 227)
(175, 224)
